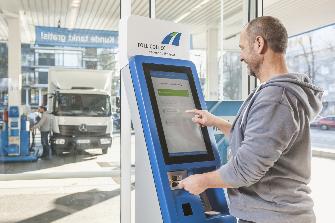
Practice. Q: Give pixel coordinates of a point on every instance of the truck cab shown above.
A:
(81, 114)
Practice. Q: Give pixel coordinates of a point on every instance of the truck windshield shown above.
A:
(82, 105)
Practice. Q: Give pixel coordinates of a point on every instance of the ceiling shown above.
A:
(201, 14)
(300, 16)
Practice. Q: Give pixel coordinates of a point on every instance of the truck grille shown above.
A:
(74, 130)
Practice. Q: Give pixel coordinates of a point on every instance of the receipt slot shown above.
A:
(159, 91)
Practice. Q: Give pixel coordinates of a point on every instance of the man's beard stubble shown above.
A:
(251, 73)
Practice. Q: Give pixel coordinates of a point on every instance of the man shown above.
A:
(33, 119)
(270, 152)
(44, 126)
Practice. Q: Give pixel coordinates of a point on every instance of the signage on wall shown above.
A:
(153, 37)
(54, 36)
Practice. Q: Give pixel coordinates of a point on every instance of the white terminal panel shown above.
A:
(144, 36)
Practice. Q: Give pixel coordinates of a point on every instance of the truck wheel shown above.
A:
(55, 151)
(58, 153)
(75, 151)
(104, 150)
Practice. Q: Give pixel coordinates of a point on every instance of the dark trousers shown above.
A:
(45, 144)
(244, 221)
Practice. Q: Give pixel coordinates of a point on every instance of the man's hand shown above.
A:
(203, 117)
(195, 184)
(198, 183)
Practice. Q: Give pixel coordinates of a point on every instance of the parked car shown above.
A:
(315, 121)
(324, 123)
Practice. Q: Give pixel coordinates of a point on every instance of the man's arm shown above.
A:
(224, 126)
(270, 128)
(265, 138)
(40, 123)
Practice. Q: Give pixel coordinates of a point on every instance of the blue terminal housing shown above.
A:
(177, 205)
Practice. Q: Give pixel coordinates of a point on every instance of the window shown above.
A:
(46, 59)
(3, 60)
(82, 105)
(72, 59)
(34, 96)
(43, 77)
(91, 65)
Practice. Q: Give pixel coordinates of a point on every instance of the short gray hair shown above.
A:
(271, 29)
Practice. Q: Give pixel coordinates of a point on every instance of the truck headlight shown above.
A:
(60, 141)
(105, 141)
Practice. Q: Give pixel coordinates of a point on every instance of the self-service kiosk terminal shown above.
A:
(159, 91)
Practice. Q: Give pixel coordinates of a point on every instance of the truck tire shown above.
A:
(75, 151)
(56, 151)
(104, 150)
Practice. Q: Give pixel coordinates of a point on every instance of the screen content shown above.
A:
(174, 97)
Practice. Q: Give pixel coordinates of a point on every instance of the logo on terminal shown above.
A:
(172, 38)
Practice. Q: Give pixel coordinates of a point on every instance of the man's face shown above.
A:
(249, 55)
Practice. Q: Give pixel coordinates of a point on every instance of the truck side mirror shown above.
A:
(118, 102)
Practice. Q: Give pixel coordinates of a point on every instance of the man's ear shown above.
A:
(259, 45)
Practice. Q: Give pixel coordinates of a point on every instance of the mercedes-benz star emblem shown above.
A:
(83, 128)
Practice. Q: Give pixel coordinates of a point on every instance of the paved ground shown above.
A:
(63, 200)
(322, 186)
(79, 200)
(97, 199)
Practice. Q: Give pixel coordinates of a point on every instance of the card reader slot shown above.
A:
(175, 177)
(174, 184)
(205, 202)
(209, 211)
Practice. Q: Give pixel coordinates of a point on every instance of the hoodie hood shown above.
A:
(300, 86)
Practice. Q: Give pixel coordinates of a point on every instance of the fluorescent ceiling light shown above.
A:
(8, 14)
(192, 10)
(74, 10)
(75, 3)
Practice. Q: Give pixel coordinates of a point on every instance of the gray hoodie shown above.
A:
(270, 152)
(45, 123)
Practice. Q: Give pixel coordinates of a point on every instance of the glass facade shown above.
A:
(3, 73)
(86, 181)
(214, 43)
(3, 60)
(83, 187)
(313, 53)
(36, 61)
(230, 67)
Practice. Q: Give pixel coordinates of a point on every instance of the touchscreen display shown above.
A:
(174, 97)
(172, 91)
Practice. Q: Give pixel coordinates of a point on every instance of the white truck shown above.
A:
(80, 105)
